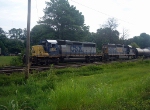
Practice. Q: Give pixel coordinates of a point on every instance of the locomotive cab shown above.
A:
(46, 52)
(51, 47)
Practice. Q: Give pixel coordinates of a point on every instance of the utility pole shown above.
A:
(28, 41)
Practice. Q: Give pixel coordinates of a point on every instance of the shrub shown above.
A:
(16, 61)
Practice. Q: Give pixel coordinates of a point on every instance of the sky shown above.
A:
(132, 15)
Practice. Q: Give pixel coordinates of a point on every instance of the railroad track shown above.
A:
(10, 70)
(13, 69)
(21, 69)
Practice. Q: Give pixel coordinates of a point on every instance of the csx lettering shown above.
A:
(75, 48)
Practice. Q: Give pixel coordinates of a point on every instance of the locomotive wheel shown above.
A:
(57, 61)
(87, 60)
(61, 60)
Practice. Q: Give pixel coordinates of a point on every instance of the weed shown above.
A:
(123, 85)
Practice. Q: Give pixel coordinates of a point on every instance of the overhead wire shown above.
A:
(102, 12)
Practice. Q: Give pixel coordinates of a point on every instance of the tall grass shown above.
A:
(11, 61)
(95, 87)
(17, 61)
(5, 60)
(115, 89)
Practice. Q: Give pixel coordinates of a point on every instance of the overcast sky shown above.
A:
(132, 15)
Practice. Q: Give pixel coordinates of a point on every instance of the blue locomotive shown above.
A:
(55, 51)
(118, 51)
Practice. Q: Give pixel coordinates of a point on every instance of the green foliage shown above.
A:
(15, 46)
(1, 31)
(62, 71)
(40, 32)
(90, 70)
(6, 80)
(142, 41)
(65, 20)
(68, 95)
(17, 61)
(5, 60)
(115, 89)
(104, 36)
(3, 48)
(50, 82)
(121, 85)
(83, 71)
(133, 44)
(17, 33)
(12, 46)
(2, 41)
(11, 60)
(28, 94)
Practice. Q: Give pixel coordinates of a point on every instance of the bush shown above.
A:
(16, 61)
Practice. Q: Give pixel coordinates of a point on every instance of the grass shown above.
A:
(110, 86)
(5, 60)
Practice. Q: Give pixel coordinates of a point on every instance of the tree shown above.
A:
(110, 32)
(2, 41)
(124, 36)
(107, 33)
(11, 45)
(1, 31)
(17, 33)
(14, 46)
(3, 48)
(65, 20)
(2, 34)
(24, 34)
(111, 23)
(133, 44)
(40, 32)
(13, 33)
(144, 40)
(103, 36)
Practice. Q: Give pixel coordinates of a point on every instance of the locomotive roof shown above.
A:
(52, 41)
(63, 42)
(49, 41)
(116, 45)
(88, 43)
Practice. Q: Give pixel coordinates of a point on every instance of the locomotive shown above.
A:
(55, 51)
(117, 51)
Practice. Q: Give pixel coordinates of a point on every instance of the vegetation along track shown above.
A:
(21, 69)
